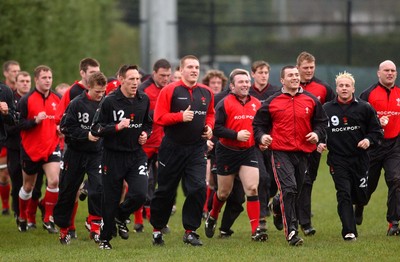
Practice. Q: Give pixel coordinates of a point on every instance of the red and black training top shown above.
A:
(231, 116)
(38, 140)
(173, 100)
(320, 89)
(288, 119)
(386, 102)
(264, 94)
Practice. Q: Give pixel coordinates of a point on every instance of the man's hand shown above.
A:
(207, 133)
(142, 138)
(3, 108)
(92, 138)
(321, 148)
(40, 117)
(243, 135)
(364, 144)
(384, 120)
(210, 145)
(124, 123)
(266, 140)
(312, 137)
(188, 115)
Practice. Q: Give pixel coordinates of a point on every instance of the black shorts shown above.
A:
(229, 161)
(33, 167)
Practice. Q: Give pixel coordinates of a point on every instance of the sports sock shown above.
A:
(73, 215)
(31, 210)
(23, 203)
(253, 212)
(147, 210)
(50, 199)
(138, 216)
(216, 207)
(5, 195)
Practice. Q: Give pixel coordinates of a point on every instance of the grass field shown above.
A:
(327, 245)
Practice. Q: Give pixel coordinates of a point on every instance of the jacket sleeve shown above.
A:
(262, 122)
(162, 114)
(147, 121)
(319, 121)
(220, 119)
(70, 126)
(8, 97)
(210, 117)
(103, 124)
(24, 122)
(374, 128)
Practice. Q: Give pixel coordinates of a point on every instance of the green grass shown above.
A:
(327, 245)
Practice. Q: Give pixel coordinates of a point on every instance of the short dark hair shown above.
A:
(124, 68)
(258, 64)
(41, 68)
(284, 68)
(183, 59)
(236, 72)
(21, 73)
(7, 64)
(97, 78)
(161, 63)
(86, 62)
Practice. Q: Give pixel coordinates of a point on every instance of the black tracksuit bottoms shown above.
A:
(176, 162)
(119, 166)
(75, 165)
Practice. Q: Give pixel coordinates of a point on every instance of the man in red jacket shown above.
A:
(384, 97)
(290, 123)
(39, 146)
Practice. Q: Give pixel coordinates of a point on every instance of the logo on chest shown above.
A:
(398, 101)
(54, 105)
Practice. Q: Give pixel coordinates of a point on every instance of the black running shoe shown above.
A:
(209, 226)
(308, 230)
(65, 239)
(49, 226)
(31, 226)
(72, 234)
(105, 244)
(294, 239)
(138, 228)
(95, 236)
(393, 230)
(22, 225)
(123, 230)
(225, 233)
(192, 238)
(350, 237)
(5, 212)
(158, 239)
(260, 235)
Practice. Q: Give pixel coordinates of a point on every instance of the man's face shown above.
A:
(96, 92)
(162, 76)
(241, 85)
(306, 70)
(89, 71)
(190, 71)
(261, 76)
(23, 84)
(387, 73)
(215, 84)
(11, 73)
(44, 81)
(345, 89)
(291, 79)
(130, 83)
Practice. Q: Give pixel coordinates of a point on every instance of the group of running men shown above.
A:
(254, 142)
